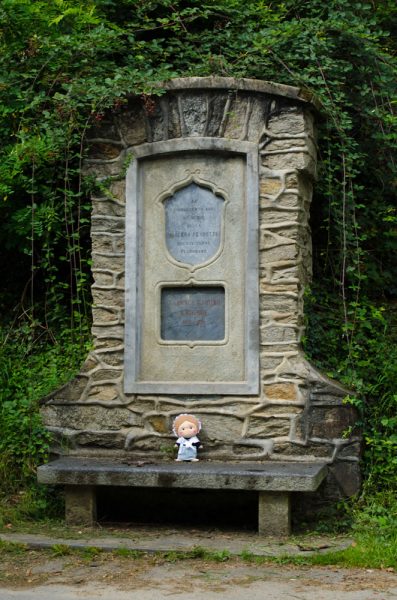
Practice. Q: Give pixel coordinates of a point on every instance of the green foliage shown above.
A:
(65, 63)
(29, 369)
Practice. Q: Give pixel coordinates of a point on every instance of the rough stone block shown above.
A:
(347, 476)
(280, 302)
(112, 297)
(285, 144)
(279, 334)
(105, 316)
(87, 417)
(132, 124)
(287, 123)
(108, 261)
(104, 391)
(282, 252)
(283, 160)
(280, 391)
(107, 224)
(107, 208)
(261, 426)
(331, 422)
(112, 357)
(274, 513)
(105, 150)
(222, 427)
(72, 391)
(289, 449)
(80, 505)
(101, 242)
(103, 278)
(103, 343)
(100, 439)
(194, 111)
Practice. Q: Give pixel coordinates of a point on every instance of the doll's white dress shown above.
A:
(187, 448)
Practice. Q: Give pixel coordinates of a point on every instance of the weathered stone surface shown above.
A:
(101, 242)
(283, 160)
(275, 335)
(108, 208)
(104, 150)
(274, 516)
(270, 187)
(72, 391)
(214, 427)
(105, 392)
(87, 417)
(287, 123)
(284, 449)
(80, 505)
(280, 391)
(217, 104)
(108, 261)
(105, 315)
(262, 426)
(112, 358)
(194, 112)
(159, 423)
(347, 476)
(280, 302)
(350, 451)
(264, 476)
(100, 439)
(131, 124)
(103, 278)
(331, 422)
(281, 252)
(107, 224)
(107, 342)
(106, 297)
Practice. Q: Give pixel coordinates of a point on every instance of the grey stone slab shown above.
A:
(266, 476)
(233, 83)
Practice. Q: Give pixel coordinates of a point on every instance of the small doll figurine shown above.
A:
(186, 428)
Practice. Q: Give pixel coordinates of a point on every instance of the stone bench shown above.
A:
(274, 482)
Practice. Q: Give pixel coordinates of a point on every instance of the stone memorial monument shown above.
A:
(201, 252)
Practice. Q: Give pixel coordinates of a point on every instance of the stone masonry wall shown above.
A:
(299, 414)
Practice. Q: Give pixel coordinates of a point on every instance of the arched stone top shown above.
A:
(235, 84)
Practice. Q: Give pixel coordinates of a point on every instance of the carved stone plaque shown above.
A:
(193, 313)
(192, 268)
(193, 222)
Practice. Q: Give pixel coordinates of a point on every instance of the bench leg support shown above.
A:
(274, 513)
(80, 505)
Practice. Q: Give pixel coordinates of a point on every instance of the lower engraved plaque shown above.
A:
(193, 313)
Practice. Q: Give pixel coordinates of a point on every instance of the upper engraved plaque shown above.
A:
(193, 224)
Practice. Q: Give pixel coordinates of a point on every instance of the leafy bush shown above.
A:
(29, 369)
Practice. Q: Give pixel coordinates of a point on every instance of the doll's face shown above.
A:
(187, 429)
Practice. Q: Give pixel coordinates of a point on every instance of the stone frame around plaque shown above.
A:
(134, 300)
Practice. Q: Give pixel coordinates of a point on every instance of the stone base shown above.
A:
(272, 481)
(274, 513)
(80, 505)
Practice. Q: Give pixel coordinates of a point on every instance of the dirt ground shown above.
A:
(41, 575)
